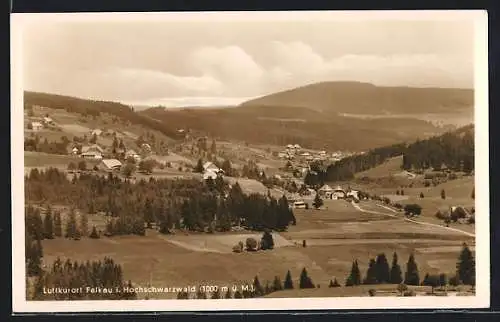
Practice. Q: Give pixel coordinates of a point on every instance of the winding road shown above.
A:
(355, 205)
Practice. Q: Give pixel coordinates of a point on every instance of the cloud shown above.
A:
(298, 61)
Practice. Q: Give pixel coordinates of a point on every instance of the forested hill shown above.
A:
(95, 108)
(454, 150)
(365, 98)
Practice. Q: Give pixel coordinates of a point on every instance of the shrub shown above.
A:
(409, 293)
(372, 292)
(251, 244)
(237, 248)
(471, 220)
(427, 183)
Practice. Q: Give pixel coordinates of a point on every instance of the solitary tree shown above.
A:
(443, 194)
(288, 284)
(421, 195)
(354, 277)
(94, 233)
(466, 266)
(305, 280)
(267, 241)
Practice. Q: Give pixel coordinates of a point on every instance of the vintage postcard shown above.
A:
(219, 161)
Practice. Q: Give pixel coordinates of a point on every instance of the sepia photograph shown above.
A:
(250, 161)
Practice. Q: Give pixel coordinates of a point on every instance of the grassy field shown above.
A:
(332, 244)
(39, 159)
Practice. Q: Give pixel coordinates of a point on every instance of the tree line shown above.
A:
(379, 272)
(168, 203)
(455, 150)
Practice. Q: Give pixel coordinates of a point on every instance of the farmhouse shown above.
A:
(48, 121)
(132, 154)
(338, 193)
(211, 167)
(325, 191)
(109, 165)
(92, 152)
(36, 126)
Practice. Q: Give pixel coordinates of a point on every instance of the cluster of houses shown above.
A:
(294, 151)
(325, 192)
(45, 122)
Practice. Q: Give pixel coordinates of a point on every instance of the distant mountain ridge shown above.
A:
(366, 98)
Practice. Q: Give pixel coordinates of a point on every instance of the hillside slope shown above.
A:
(364, 98)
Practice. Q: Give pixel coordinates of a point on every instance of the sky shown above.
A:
(182, 62)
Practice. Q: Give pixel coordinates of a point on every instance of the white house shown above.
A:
(338, 193)
(110, 165)
(74, 150)
(36, 126)
(92, 152)
(48, 121)
(354, 194)
(211, 167)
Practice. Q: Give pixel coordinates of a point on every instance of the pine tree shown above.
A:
(258, 289)
(71, 229)
(305, 280)
(84, 225)
(199, 166)
(267, 241)
(288, 284)
(318, 202)
(48, 225)
(382, 272)
(396, 276)
(411, 276)
(94, 233)
(371, 273)
(466, 266)
(277, 286)
(355, 275)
